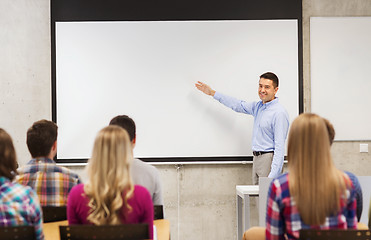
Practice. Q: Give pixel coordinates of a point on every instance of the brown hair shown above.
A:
(271, 76)
(41, 137)
(330, 130)
(126, 123)
(8, 159)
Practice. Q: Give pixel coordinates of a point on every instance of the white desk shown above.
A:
(243, 193)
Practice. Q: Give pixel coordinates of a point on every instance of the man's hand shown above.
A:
(205, 88)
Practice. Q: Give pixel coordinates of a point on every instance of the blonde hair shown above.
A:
(110, 184)
(314, 182)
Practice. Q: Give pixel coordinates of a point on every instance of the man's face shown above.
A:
(266, 90)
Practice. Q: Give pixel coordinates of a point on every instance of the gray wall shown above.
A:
(199, 199)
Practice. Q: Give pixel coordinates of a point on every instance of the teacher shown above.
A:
(271, 124)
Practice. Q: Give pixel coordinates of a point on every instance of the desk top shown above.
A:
(51, 229)
(163, 229)
(242, 190)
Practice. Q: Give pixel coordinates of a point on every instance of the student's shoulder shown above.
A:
(140, 191)
(139, 164)
(64, 170)
(281, 183)
(355, 182)
(77, 189)
(351, 175)
(283, 178)
(27, 168)
(19, 192)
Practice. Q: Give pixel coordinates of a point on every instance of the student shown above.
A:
(271, 124)
(52, 183)
(110, 197)
(141, 172)
(314, 193)
(356, 184)
(19, 204)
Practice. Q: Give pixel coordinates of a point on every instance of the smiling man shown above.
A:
(271, 124)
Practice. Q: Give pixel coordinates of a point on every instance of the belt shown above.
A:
(258, 153)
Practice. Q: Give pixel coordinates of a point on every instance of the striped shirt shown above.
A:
(283, 217)
(19, 206)
(52, 183)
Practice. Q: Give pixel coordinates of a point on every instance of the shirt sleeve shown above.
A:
(157, 195)
(235, 104)
(274, 221)
(281, 127)
(147, 216)
(351, 209)
(36, 215)
(358, 193)
(72, 212)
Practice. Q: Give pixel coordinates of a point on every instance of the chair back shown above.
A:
(17, 233)
(54, 214)
(335, 234)
(158, 211)
(118, 232)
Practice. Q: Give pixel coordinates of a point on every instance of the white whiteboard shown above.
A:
(340, 50)
(147, 70)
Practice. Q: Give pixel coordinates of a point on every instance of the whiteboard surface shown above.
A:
(340, 74)
(147, 70)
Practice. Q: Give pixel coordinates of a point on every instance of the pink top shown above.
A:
(140, 202)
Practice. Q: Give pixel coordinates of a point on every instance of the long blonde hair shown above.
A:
(110, 183)
(315, 184)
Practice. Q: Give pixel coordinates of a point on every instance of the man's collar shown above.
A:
(274, 101)
(41, 160)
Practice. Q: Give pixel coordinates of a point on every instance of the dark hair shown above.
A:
(330, 130)
(41, 137)
(126, 123)
(8, 159)
(271, 76)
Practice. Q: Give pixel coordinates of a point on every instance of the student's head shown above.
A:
(268, 87)
(41, 139)
(126, 123)
(112, 150)
(330, 130)
(308, 141)
(109, 175)
(315, 184)
(8, 161)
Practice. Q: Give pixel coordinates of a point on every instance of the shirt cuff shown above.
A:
(217, 96)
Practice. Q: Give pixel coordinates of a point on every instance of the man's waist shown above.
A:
(258, 153)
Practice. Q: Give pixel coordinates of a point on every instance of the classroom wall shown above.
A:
(200, 200)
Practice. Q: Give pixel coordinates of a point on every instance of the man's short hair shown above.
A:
(41, 137)
(126, 123)
(271, 76)
(330, 130)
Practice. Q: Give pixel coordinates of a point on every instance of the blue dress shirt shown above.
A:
(271, 124)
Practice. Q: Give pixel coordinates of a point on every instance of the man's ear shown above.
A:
(53, 150)
(54, 147)
(275, 90)
(134, 141)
